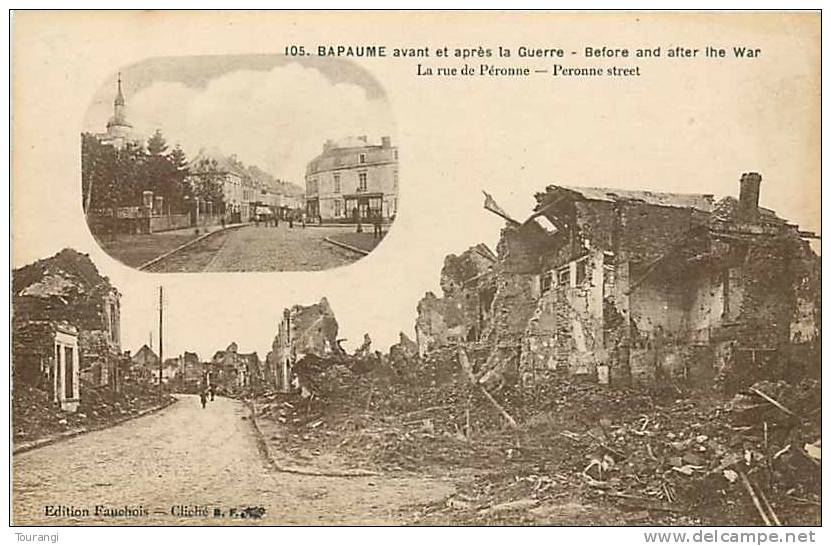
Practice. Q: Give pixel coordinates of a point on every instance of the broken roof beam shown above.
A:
(491, 205)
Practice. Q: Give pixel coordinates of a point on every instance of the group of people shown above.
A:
(204, 393)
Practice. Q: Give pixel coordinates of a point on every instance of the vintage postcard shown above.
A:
(416, 268)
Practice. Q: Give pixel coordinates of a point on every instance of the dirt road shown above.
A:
(185, 465)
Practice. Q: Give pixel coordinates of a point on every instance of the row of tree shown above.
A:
(116, 177)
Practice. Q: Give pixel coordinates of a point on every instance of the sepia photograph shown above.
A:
(594, 303)
(182, 178)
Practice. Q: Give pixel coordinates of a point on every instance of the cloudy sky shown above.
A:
(269, 112)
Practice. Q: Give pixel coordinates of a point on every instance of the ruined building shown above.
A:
(305, 331)
(463, 313)
(636, 287)
(66, 326)
(235, 370)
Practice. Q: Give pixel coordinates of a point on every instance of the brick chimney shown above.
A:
(749, 195)
(386, 142)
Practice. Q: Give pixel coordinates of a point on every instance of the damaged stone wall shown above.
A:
(305, 331)
(566, 330)
(403, 352)
(777, 320)
(440, 322)
(515, 301)
(463, 313)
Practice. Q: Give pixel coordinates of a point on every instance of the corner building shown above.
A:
(352, 179)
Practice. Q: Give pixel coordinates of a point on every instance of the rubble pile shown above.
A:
(690, 461)
(680, 460)
(36, 417)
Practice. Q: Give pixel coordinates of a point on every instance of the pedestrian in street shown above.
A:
(212, 391)
(291, 219)
(356, 216)
(203, 398)
(377, 226)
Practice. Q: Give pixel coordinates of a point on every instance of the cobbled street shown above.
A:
(186, 455)
(261, 248)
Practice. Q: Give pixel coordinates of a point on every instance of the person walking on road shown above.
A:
(212, 391)
(377, 229)
(203, 397)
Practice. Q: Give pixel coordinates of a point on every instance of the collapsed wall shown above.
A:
(463, 313)
(305, 332)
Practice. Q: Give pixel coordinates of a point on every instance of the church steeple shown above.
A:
(117, 126)
(119, 98)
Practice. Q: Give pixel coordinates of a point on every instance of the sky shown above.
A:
(273, 115)
(682, 126)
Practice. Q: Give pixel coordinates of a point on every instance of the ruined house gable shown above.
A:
(68, 287)
(459, 270)
(315, 329)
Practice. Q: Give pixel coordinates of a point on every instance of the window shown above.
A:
(361, 158)
(563, 276)
(361, 181)
(581, 272)
(113, 323)
(545, 282)
(336, 177)
(395, 154)
(338, 207)
(69, 373)
(395, 179)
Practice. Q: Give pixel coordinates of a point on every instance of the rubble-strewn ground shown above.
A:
(36, 417)
(581, 453)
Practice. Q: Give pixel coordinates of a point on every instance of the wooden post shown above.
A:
(161, 339)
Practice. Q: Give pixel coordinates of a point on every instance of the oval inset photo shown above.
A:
(239, 163)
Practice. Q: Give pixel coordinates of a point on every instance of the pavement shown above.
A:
(261, 248)
(185, 465)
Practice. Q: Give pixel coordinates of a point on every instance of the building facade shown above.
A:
(46, 356)
(353, 180)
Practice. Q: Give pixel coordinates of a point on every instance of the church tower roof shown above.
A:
(119, 97)
(119, 117)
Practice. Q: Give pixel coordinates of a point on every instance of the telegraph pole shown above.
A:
(161, 340)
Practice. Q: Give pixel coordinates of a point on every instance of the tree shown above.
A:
(208, 182)
(179, 163)
(156, 144)
(98, 190)
(164, 172)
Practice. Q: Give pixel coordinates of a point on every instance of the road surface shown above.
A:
(260, 248)
(176, 466)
